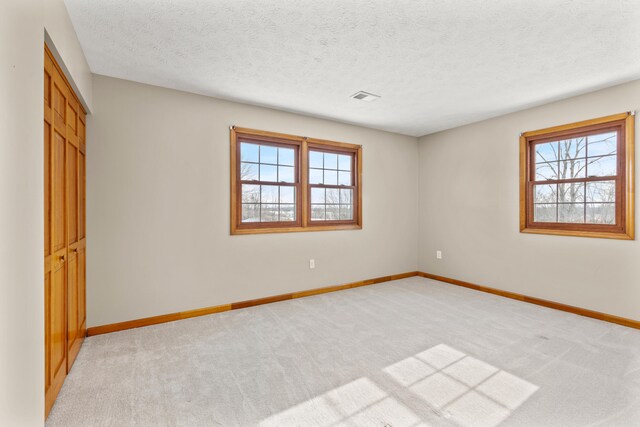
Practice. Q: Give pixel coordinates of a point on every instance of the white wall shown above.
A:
(158, 207)
(21, 214)
(64, 43)
(469, 209)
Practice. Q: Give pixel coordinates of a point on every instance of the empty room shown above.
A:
(391, 213)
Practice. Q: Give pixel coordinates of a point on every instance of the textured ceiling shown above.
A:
(436, 63)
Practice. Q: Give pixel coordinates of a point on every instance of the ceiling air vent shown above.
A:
(365, 96)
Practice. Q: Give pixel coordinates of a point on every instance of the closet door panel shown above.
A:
(48, 376)
(72, 192)
(58, 320)
(72, 116)
(59, 103)
(58, 194)
(82, 196)
(55, 332)
(73, 331)
(47, 189)
(82, 297)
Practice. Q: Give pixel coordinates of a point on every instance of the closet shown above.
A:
(64, 227)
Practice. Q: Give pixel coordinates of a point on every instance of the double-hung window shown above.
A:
(285, 183)
(577, 179)
(332, 184)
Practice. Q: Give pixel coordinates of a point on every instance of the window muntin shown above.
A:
(284, 183)
(577, 177)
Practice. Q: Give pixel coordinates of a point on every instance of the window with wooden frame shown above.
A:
(288, 183)
(578, 179)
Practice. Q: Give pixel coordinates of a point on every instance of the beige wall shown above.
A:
(158, 207)
(22, 34)
(65, 46)
(21, 214)
(469, 209)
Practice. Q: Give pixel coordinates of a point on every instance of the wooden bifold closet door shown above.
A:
(64, 235)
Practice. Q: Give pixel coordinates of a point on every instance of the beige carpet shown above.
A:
(413, 352)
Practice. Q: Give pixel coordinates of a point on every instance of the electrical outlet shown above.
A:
(312, 264)
(438, 254)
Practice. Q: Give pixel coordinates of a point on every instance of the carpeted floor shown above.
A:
(412, 352)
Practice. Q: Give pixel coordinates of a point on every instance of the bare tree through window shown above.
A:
(564, 164)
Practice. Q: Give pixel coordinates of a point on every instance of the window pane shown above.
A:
(287, 212)
(344, 162)
(286, 174)
(269, 194)
(249, 152)
(346, 195)
(573, 148)
(317, 212)
(315, 176)
(315, 159)
(571, 212)
(250, 213)
(571, 193)
(601, 191)
(330, 161)
(286, 156)
(602, 166)
(545, 213)
(344, 178)
(547, 152)
(333, 212)
(330, 177)
(248, 172)
(546, 171)
(268, 173)
(346, 212)
(601, 213)
(250, 193)
(603, 144)
(268, 154)
(545, 193)
(571, 169)
(287, 194)
(317, 195)
(333, 195)
(269, 213)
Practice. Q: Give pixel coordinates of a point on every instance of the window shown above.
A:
(285, 183)
(269, 183)
(331, 183)
(577, 179)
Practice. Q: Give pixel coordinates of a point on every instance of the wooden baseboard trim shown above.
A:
(155, 320)
(147, 321)
(538, 301)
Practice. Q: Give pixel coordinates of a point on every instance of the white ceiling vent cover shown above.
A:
(365, 96)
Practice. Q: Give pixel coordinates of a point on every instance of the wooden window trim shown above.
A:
(625, 226)
(303, 202)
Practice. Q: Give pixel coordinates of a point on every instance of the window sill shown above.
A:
(581, 233)
(241, 231)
